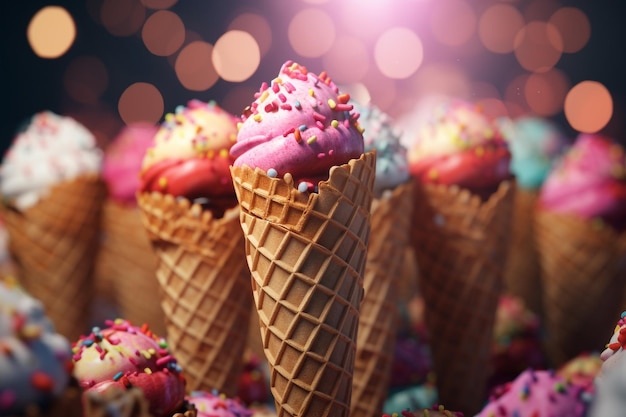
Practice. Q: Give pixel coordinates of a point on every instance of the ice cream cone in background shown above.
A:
(304, 188)
(189, 208)
(389, 238)
(460, 233)
(52, 197)
(126, 262)
(580, 227)
(535, 144)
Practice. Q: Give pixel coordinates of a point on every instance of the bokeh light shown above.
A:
(140, 102)
(545, 92)
(51, 32)
(539, 9)
(588, 106)
(86, 79)
(163, 33)
(398, 53)
(194, 66)
(347, 60)
(236, 56)
(574, 27)
(498, 26)
(441, 79)
(538, 46)
(122, 17)
(257, 26)
(158, 4)
(453, 22)
(311, 33)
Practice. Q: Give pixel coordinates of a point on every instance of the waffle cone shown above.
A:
(205, 289)
(378, 320)
(54, 244)
(522, 272)
(583, 269)
(460, 244)
(127, 263)
(307, 253)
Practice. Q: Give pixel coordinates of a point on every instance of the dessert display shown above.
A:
(535, 143)
(579, 226)
(389, 238)
(304, 186)
(538, 393)
(189, 209)
(51, 202)
(460, 233)
(126, 262)
(121, 355)
(34, 358)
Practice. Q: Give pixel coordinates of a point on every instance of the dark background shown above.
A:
(30, 84)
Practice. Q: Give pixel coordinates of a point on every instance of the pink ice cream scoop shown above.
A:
(212, 405)
(122, 355)
(537, 393)
(590, 181)
(122, 160)
(299, 124)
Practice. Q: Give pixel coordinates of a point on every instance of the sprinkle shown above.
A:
(343, 98)
(257, 117)
(303, 187)
(272, 173)
(480, 151)
(311, 140)
(311, 92)
(263, 96)
(42, 381)
(298, 105)
(343, 107)
(118, 375)
(302, 128)
(288, 131)
(319, 124)
(87, 342)
(290, 88)
(285, 106)
(162, 182)
(332, 104)
(334, 123)
(275, 87)
(433, 174)
(148, 371)
(164, 360)
(321, 155)
(282, 97)
(319, 117)
(297, 135)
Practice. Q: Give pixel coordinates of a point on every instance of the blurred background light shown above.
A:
(51, 32)
(163, 33)
(574, 27)
(257, 26)
(347, 60)
(588, 106)
(398, 53)
(122, 17)
(498, 26)
(453, 22)
(538, 46)
(311, 33)
(158, 4)
(141, 102)
(194, 66)
(86, 79)
(236, 56)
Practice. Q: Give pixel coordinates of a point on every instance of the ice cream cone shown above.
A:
(127, 262)
(205, 288)
(521, 275)
(307, 256)
(378, 319)
(583, 266)
(54, 244)
(461, 243)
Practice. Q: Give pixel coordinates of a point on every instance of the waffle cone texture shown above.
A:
(127, 263)
(460, 244)
(379, 314)
(522, 273)
(54, 244)
(205, 288)
(307, 253)
(583, 271)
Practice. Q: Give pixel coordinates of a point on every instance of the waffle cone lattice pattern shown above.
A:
(376, 337)
(461, 243)
(307, 257)
(583, 271)
(54, 244)
(205, 289)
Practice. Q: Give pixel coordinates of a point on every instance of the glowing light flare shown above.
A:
(51, 32)
(237, 98)
(194, 66)
(545, 92)
(311, 33)
(85, 79)
(498, 26)
(236, 56)
(257, 26)
(453, 22)
(538, 46)
(439, 79)
(158, 4)
(398, 53)
(140, 102)
(347, 60)
(163, 33)
(588, 106)
(122, 17)
(574, 27)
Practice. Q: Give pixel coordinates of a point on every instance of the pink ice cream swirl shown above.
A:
(590, 182)
(124, 356)
(299, 124)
